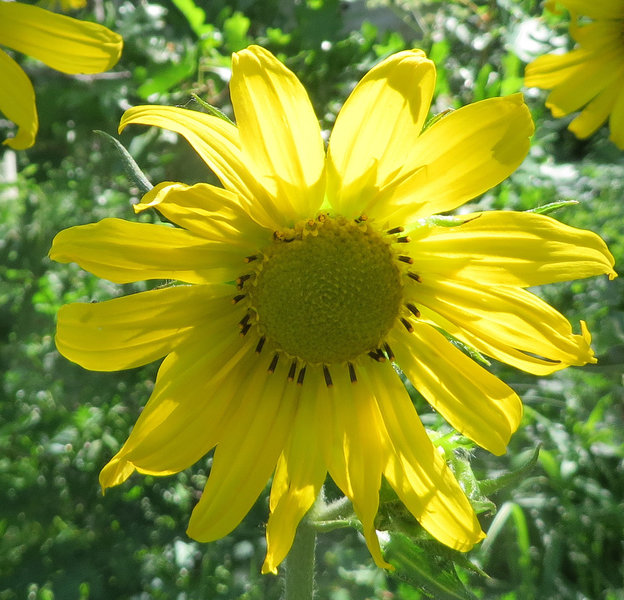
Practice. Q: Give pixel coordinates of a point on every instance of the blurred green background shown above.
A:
(558, 532)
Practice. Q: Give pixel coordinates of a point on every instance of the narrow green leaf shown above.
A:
(213, 110)
(132, 169)
(553, 206)
(447, 221)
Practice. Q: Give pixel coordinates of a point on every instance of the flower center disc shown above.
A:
(328, 291)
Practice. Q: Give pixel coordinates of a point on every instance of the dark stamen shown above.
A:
(395, 230)
(352, 375)
(389, 352)
(273, 364)
(240, 282)
(291, 371)
(407, 325)
(245, 329)
(413, 310)
(260, 344)
(251, 258)
(403, 240)
(244, 320)
(414, 276)
(328, 379)
(238, 298)
(407, 259)
(361, 219)
(301, 376)
(377, 355)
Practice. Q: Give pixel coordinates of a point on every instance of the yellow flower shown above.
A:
(591, 75)
(339, 276)
(62, 43)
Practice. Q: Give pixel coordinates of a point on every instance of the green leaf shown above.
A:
(169, 75)
(489, 486)
(235, 30)
(417, 565)
(195, 16)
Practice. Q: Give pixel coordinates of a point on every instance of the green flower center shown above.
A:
(328, 290)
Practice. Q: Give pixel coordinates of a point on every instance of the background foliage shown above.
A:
(557, 533)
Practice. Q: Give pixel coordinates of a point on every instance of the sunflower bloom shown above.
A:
(590, 78)
(64, 44)
(336, 274)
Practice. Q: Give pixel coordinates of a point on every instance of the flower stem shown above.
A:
(299, 579)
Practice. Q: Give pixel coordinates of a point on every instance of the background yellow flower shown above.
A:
(590, 78)
(63, 43)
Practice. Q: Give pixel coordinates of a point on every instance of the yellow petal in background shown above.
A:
(595, 114)
(616, 122)
(124, 251)
(582, 85)
(61, 42)
(551, 70)
(279, 132)
(17, 102)
(596, 9)
(376, 129)
(459, 157)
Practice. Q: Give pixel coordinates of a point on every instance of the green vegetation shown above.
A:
(557, 530)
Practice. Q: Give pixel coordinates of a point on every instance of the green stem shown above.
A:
(299, 579)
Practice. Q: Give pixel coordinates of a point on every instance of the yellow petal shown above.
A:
(597, 111)
(299, 475)
(459, 157)
(376, 129)
(217, 143)
(552, 70)
(199, 388)
(279, 132)
(616, 122)
(471, 399)
(61, 42)
(123, 251)
(515, 317)
(208, 211)
(418, 472)
(597, 35)
(356, 451)
(115, 472)
(17, 102)
(490, 345)
(250, 445)
(135, 330)
(584, 84)
(596, 9)
(510, 248)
